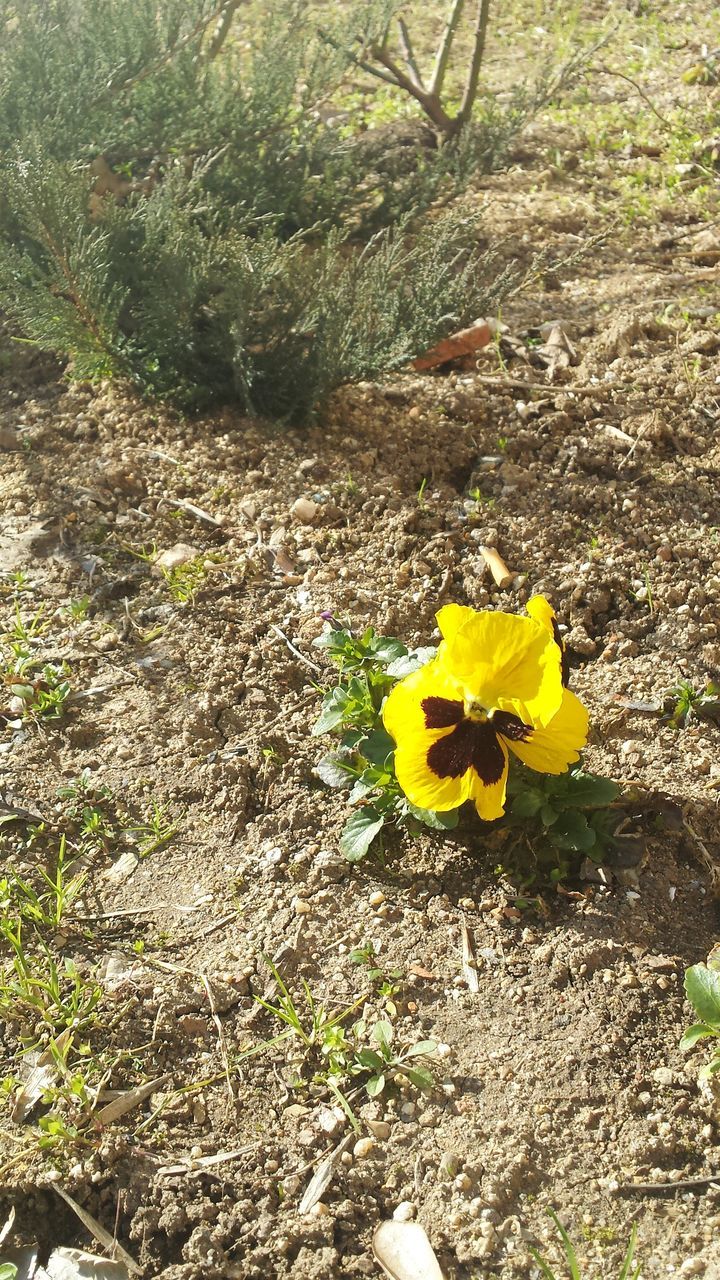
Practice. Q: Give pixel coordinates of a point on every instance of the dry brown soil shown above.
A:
(560, 1081)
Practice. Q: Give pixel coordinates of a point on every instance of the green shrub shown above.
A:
(176, 209)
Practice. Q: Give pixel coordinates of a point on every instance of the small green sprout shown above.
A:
(702, 988)
(684, 703)
(627, 1272)
(336, 1054)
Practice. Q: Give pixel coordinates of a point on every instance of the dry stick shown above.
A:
(470, 94)
(520, 384)
(221, 1037)
(442, 56)
(308, 661)
(606, 71)
(671, 1186)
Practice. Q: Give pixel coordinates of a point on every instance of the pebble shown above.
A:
(450, 1163)
(301, 907)
(663, 1076)
(377, 898)
(380, 1129)
(692, 1267)
(304, 510)
(362, 1148)
(405, 1211)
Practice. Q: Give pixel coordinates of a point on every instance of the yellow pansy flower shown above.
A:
(542, 611)
(495, 686)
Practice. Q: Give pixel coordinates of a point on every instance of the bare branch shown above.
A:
(429, 103)
(221, 31)
(442, 56)
(408, 54)
(357, 61)
(470, 94)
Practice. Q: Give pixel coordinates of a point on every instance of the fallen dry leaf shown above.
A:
(462, 343)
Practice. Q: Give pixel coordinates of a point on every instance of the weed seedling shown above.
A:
(627, 1271)
(684, 703)
(155, 832)
(336, 1054)
(702, 988)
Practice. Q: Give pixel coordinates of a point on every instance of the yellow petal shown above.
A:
(502, 655)
(542, 611)
(421, 786)
(551, 749)
(490, 800)
(403, 713)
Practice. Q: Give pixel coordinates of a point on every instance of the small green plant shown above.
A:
(385, 982)
(684, 703)
(8, 1271)
(155, 832)
(363, 764)
(35, 987)
(77, 610)
(702, 987)
(39, 691)
(553, 819)
(45, 909)
(628, 1271)
(185, 580)
(338, 1054)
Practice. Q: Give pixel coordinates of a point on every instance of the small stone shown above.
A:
(663, 1076)
(300, 907)
(463, 1182)
(449, 1163)
(405, 1211)
(319, 1210)
(692, 1267)
(408, 1110)
(380, 1129)
(304, 510)
(329, 1120)
(362, 1148)
(175, 556)
(376, 898)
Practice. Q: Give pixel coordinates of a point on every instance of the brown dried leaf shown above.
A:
(462, 343)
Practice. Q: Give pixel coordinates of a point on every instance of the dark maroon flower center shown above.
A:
(473, 744)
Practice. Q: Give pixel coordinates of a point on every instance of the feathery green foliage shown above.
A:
(177, 206)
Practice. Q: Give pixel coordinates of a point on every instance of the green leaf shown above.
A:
(386, 650)
(334, 771)
(382, 1034)
(421, 1077)
(571, 831)
(370, 1059)
(375, 1086)
(422, 1046)
(446, 821)
(361, 789)
(527, 804)
(699, 1031)
(588, 791)
(359, 832)
(548, 815)
(334, 707)
(411, 661)
(7, 1271)
(376, 746)
(702, 987)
